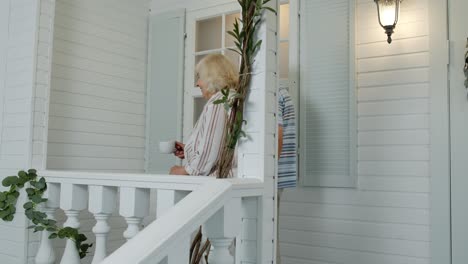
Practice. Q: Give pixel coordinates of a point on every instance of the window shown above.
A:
(207, 35)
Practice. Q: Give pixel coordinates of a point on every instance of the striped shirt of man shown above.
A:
(287, 162)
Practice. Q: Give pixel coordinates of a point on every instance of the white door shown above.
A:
(458, 21)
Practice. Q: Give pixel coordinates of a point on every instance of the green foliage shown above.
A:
(39, 219)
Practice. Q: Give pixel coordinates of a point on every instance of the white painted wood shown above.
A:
(134, 205)
(73, 199)
(180, 253)
(97, 91)
(46, 252)
(458, 36)
(393, 172)
(220, 252)
(165, 88)
(440, 138)
(101, 204)
(166, 199)
(156, 242)
(327, 105)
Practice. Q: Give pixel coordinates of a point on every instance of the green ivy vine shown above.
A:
(35, 190)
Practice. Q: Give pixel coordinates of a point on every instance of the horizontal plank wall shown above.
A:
(92, 55)
(97, 98)
(18, 23)
(385, 219)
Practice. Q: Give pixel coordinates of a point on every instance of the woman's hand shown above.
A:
(178, 170)
(179, 152)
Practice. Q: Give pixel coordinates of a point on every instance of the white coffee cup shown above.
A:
(167, 147)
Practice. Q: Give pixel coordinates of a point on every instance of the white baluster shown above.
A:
(46, 253)
(221, 230)
(73, 199)
(101, 205)
(166, 199)
(134, 205)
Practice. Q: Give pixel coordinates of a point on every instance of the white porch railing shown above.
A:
(215, 204)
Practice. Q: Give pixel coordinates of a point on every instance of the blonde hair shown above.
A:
(218, 72)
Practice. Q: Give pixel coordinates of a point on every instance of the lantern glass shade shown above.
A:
(388, 12)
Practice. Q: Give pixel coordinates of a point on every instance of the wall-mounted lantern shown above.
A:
(388, 12)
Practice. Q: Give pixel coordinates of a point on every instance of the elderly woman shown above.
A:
(203, 148)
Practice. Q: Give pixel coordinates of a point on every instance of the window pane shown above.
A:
(284, 21)
(208, 35)
(229, 40)
(284, 60)
(234, 57)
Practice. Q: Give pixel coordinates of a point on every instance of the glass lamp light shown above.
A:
(388, 12)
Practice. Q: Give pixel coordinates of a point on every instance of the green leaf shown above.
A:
(53, 235)
(29, 214)
(30, 191)
(38, 228)
(257, 46)
(270, 9)
(9, 218)
(233, 34)
(39, 215)
(51, 222)
(235, 50)
(3, 196)
(31, 226)
(36, 199)
(219, 101)
(22, 174)
(32, 171)
(51, 229)
(11, 199)
(2, 204)
(10, 180)
(4, 213)
(28, 205)
(41, 185)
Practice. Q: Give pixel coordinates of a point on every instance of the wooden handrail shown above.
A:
(137, 180)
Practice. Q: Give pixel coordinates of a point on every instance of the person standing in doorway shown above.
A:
(287, 150)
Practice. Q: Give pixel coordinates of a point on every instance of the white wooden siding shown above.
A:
(386, 218)
(95, 120)
(17, 62)
(97, 99)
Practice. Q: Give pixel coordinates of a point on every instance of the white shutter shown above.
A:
(327, 115)
(4, 24)
(165, 87)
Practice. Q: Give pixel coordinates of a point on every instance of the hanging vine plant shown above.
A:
(246, 46)
(35, 190)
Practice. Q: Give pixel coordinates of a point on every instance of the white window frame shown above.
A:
(191, 92)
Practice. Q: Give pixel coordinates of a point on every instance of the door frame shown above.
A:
(440, 215)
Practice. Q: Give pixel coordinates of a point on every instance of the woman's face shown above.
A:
(202, 85)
